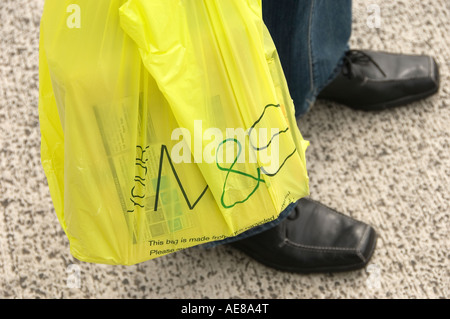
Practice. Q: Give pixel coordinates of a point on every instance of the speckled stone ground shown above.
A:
(388, 169)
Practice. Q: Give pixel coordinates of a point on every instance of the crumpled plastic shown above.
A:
(165, 124)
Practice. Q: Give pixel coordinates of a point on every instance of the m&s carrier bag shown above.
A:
(165, 124)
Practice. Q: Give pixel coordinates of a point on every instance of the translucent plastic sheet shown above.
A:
(165, 124)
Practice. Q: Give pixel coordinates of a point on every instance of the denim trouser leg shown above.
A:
(311, 37)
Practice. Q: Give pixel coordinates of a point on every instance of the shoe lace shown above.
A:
(354, 57)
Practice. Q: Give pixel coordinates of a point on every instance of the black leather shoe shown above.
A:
(373, 81)
(314, 238)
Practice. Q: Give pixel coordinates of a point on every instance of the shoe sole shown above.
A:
(335, 269)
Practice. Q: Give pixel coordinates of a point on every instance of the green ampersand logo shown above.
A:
(230, 170)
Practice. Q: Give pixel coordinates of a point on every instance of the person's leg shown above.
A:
(311, 37)
(310, 49)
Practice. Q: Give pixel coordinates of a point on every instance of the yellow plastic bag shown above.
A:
(165, 124)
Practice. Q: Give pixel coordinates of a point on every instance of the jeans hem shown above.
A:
(313, 94)
(254, 231)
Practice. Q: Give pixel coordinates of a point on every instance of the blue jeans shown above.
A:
(311, 37)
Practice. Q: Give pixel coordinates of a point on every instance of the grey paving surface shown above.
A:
(388, 169)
